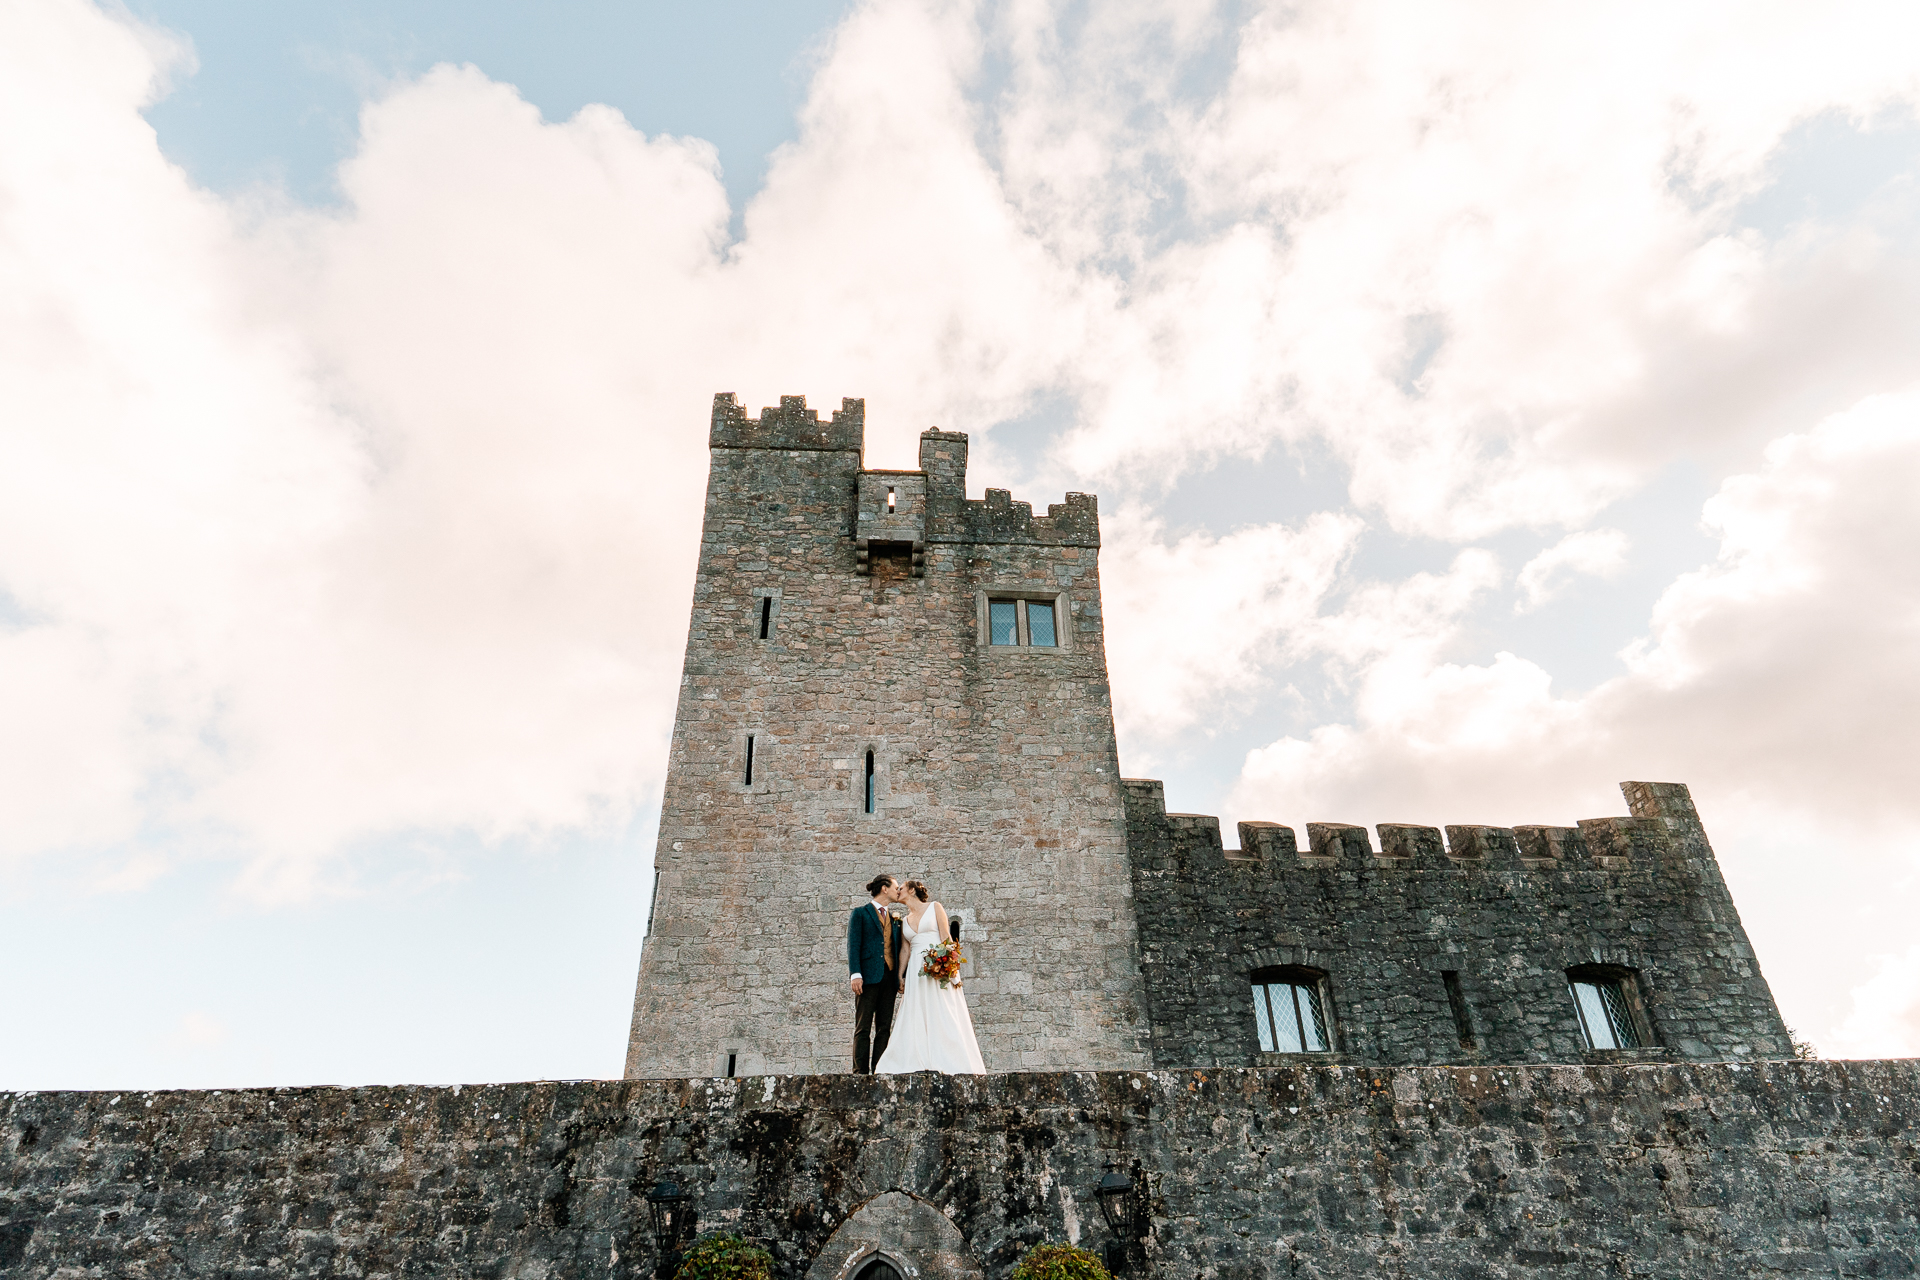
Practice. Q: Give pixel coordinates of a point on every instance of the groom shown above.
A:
(873, 943)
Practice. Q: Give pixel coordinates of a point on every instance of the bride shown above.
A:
(933, 1031)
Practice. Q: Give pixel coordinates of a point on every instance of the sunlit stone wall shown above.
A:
(828, 624)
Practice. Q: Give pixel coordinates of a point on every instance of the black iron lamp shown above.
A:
(1122, 1206)
(672, 1216)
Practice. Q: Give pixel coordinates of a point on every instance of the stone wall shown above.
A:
(1677, 1170)
(1506, 911)
(996, 773)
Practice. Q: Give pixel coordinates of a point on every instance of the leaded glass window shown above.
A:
(1040, 623)
(1023, 623)
(1289, 1016)
(1004, 615)
(1605, 1012)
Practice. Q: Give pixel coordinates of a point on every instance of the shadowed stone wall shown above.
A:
(911, 1234)
(1507, 911)
(996, 777)
(1678, 1170)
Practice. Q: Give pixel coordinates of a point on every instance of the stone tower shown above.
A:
(845, 710)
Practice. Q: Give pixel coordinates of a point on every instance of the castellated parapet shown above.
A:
(1460, 949)
(841, 641)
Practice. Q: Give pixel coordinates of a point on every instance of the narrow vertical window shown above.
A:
(869, 784)
(889, 499)
(1003, 621)
(731, 1059)
(1040, 623)
(766, 616)
(1457, 1000)
(749, 759)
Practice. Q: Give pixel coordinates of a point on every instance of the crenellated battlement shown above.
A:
(999, 519)
(1663, 814)
(941, 512)
(995, 519)
(1443, 943)
(790, 426)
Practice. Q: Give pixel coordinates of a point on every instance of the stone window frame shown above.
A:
(1061, 601)
(758, 595)
(1633, 997)
(1298, 974)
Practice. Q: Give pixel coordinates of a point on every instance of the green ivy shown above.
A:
(725, 1257)
(1060, 1262)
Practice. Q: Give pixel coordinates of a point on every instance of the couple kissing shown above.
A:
(891, 958)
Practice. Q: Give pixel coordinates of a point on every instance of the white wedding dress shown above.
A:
(933, 1031)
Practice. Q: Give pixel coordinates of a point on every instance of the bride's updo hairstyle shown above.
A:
(917, 889)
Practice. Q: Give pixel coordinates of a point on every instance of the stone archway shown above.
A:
(898, 1232)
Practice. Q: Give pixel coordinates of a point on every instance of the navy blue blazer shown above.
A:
(866, 948)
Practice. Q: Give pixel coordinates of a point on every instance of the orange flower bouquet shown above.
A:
(943, 964)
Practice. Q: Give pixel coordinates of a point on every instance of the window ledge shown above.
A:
(1300, 1059)
(1604, 1057)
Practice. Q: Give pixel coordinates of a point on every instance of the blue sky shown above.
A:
(1525, 405)
(277, 94)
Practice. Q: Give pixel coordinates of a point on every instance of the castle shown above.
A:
(1538, 1051)
(884, 674)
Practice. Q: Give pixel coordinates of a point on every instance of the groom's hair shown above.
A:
(875, 885)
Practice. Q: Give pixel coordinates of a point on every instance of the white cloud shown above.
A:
(1781, 669)
(1884, 1020)
(1553, 195)
(1600, 553)
(1194, 623)
(322, 527)
(196, 1030)
(319, 527)
(338, 526)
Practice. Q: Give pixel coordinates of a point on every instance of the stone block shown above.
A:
(1629, 838)
(1401, 840)
(1338, 840)
(1268, 841)
(1481, 842)
(1546, 843)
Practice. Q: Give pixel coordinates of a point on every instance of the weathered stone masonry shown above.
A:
(840, 616)
(1506, 911)
(1683, 1170)
(996, 777)
(840, 626)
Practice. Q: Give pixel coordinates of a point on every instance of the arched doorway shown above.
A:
(895, 1236)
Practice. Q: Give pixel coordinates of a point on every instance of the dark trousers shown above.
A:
(872, 1024)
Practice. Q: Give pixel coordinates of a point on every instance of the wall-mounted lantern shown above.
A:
(672, 1211)
(1123, 1203)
